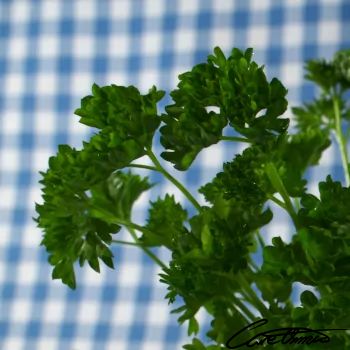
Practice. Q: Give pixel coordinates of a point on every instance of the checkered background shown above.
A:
(51, 52)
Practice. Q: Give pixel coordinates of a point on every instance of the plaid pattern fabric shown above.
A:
(51, 52)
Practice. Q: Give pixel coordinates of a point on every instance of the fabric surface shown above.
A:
(51, 52)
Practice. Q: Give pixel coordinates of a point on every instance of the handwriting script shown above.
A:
(290, 335)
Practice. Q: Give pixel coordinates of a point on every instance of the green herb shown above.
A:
(88, 195)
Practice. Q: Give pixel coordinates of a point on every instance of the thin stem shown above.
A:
(341, 140)
(118, 241)
(181, 187)
(244, 309)
(234, 138)
(277, 183)
(146, 250)
(278, 202)
(297, 203)
(252, 297)
(261, 240)
(254, 265)
(247, 292)
(131, 226)
(142, 166)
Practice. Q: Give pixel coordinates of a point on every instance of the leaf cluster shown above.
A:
(82, 190)
(243, 97)
(88, 196)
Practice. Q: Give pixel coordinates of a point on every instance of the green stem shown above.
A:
(146, 250)
(99, 212)
(261, 240)
(142, 166)
(118, 241)
(278, 202)
(247, 292)
(244, 309)
(297, 203)
(254, 265)
(341, 140)
(234, 138)
(277, 183)
(181, 187)
(252, 297)
(131, 225)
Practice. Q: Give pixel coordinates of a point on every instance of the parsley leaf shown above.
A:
(88, 196)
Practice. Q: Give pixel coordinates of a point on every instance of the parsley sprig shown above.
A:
(88, 195)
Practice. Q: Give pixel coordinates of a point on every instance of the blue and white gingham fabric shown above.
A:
(51, 52)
